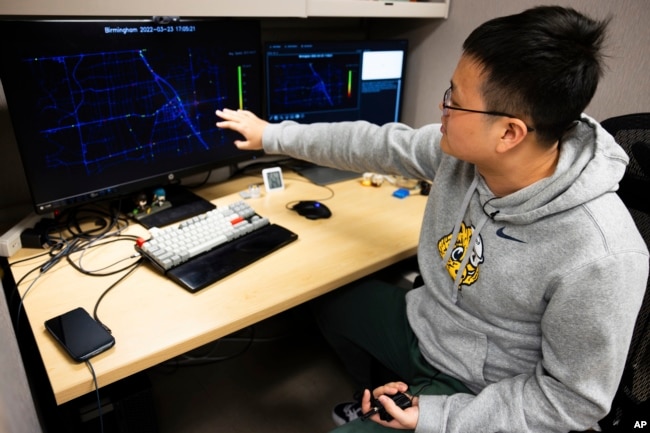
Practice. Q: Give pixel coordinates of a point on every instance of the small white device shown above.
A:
(273, 180)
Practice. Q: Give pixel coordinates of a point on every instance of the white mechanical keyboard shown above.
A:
(205, 248)
(172, 245)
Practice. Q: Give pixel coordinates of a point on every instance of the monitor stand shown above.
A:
(323, 175)
(164, 206)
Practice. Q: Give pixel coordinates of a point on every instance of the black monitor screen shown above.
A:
(103, 108)
(335, 80)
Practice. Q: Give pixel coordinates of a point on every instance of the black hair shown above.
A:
(542, 64)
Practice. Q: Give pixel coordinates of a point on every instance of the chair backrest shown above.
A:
(631, 405)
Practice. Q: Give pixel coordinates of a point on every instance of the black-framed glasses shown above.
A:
(446, 101)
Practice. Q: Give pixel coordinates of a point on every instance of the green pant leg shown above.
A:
(366, 321)
(361, 426)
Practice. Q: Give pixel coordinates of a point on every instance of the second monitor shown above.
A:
(335, 80)
(332, 81)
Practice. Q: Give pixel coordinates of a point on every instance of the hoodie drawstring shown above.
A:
(454, 237)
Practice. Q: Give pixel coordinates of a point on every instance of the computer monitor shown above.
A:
(331, 81)
(335, 80)
(107, 108)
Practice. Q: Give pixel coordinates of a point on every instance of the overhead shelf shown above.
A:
(144, 8)
(229, 8)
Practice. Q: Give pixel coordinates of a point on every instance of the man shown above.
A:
(533, 269)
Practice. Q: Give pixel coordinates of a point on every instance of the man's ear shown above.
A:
(514, 131)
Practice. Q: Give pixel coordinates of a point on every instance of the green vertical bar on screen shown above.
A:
(240, 89)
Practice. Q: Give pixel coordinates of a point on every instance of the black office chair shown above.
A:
(631, 404)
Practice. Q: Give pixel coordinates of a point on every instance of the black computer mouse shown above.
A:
(312, 209)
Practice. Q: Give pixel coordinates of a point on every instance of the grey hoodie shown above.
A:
(534, 303)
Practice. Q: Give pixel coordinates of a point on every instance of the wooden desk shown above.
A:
(154, 320)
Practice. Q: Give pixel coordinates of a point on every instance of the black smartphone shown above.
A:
(79, 334)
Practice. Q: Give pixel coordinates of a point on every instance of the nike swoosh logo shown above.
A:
(501, 234)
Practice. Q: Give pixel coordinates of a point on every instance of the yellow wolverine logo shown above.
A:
(471, 272)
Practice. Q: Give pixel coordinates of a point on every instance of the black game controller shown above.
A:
(400, 399)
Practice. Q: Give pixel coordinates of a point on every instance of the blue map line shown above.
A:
(320, 85)
(117, 107)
